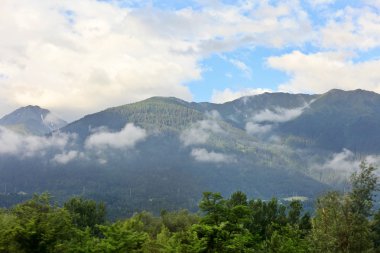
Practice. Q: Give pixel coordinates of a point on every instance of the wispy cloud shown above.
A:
(277, 115)
(53, 122)
(340, 166)
(226, 95)
(199, 132)
(262, 122)
(12, 143)
(316, 3)
(202, 155)
(257, 129)
(247, 71)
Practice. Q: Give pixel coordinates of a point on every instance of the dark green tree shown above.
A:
(40, 226)
(85, 212)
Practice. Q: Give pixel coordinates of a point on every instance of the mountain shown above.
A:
(339, 119)
(169, 169)
(32, 120)
(156, 113)
(240, 111)
(162, 153)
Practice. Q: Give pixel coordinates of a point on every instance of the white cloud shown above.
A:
(351, 28)
(262, 122)
(341, 165)
(75, 58)
(343, 162)
(247, 71)
(66, 157)
(253, 128)
(227, 94)
(374, 3)
(277, 114)
(12, 143)
(316, 3)
(53, 121)
(128, 137)
(202, 155)
(199, 132)
(320, 72)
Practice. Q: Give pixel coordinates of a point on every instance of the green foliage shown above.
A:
(287, 239)
(375, 228)
(178, 221)
(235, 224)
(340, 223)
(37, 226)
(364, 184)
(86, 213)
(121, 237)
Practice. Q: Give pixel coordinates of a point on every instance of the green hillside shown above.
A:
(189, 148)
(340, 119)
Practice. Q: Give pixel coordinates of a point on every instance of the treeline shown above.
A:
(341, 223)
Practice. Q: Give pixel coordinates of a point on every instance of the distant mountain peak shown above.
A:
(32, 119)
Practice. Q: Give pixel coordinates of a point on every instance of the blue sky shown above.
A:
(80, 57)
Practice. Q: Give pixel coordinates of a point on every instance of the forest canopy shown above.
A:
(341, 222)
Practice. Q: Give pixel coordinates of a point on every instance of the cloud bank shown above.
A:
(94, 52)
(12, 143)
(324, 71)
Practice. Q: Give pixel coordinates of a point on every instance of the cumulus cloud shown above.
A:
(351, 28)
(202, 155)
(128, 137)
(320, 72)
(94, 52)
(66, 157)
(226, 95)
(12, 143)
(199, 132)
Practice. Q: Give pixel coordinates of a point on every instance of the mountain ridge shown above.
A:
(32, 119)
(266, 145)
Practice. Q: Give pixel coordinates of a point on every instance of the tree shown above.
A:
(119, 237)
(86, 213)
(41, 227)
(341, 221)
(364, 183)
(179, 220)
(294, 213)
(375, 227)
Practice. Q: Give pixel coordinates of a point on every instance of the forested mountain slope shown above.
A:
(164, 152)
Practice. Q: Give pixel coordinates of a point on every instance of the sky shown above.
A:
(78, 57)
